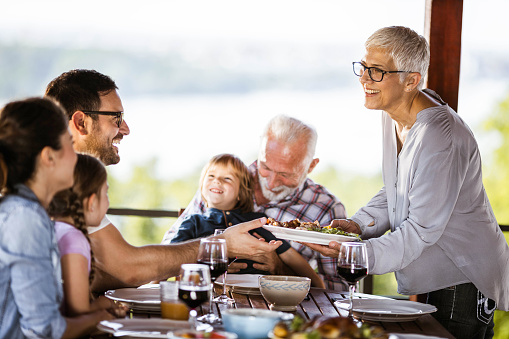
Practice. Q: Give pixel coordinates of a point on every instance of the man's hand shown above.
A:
(346, 225)
(328, 251)
(243, 245)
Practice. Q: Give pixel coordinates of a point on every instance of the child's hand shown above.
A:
(115, 308)
(269, 262)
(118, 310)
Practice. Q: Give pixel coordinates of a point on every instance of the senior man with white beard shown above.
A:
(283, 191)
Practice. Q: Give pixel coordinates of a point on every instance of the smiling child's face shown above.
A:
(220, 187)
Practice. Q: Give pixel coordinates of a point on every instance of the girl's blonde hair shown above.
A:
(89, 177)
(245, 201)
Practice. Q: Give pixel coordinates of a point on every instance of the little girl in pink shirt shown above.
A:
(84, 204)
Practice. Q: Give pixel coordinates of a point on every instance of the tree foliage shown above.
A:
(496, 181)
(144, 190)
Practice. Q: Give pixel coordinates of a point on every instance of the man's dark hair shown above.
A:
(80, 89)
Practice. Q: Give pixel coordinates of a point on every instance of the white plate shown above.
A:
(390, 310)
(307, 236)
(142, 328)
(143, 299)
(241, 283)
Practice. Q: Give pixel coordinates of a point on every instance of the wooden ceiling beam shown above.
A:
(443, 30)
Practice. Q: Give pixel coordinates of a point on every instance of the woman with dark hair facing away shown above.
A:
(227, 188)
(36, 161)
(73, 210)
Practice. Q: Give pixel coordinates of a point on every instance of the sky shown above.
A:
(349, 135)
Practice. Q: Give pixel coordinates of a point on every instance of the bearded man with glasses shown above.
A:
(95, 112)
(96, 122)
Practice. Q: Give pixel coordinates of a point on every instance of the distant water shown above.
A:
(185, 131)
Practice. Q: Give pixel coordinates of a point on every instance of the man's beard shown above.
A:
(102, 149)
(282, 191)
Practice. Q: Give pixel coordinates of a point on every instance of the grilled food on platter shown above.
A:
(326, 328)
(296, 224)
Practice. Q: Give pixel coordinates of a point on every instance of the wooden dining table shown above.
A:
(319, 302)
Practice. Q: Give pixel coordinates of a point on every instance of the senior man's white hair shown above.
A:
(289, 130)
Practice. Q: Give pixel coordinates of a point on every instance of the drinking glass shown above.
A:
(171, 306)
(352, 266)
(212, 252)
(223, 298)
(194, 288)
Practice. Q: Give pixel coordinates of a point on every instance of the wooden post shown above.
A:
(443, 31)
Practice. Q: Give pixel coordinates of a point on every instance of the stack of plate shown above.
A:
(388, 310)
(145, 299)
(241, 283)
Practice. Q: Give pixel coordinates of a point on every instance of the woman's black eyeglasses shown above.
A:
(118, 115)
(376, 74)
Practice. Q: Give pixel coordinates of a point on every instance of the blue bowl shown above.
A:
(250, 323)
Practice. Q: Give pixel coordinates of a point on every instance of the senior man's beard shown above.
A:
(280, 192)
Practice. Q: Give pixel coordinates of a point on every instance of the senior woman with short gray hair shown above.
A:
(444, 241)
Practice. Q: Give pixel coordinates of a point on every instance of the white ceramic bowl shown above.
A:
(282, 292)
(250, 323)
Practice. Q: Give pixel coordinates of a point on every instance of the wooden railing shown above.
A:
(144, 213)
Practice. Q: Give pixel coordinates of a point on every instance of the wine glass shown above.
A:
(212, 252)
(223, 298)
(194, 288)
(352, 266)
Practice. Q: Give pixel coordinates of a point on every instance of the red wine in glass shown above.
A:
(217, 267)
(194, 297)
(214, 254)
(352, 273)
(194, 288)
(352, 266)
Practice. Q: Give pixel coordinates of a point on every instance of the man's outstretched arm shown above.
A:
(120, 264)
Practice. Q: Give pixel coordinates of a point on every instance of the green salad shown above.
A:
(331, 230)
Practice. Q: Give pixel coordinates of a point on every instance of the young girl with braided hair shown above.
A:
(73, 210)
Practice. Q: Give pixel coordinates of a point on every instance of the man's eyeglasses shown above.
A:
(376, 74)
(118, 115)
